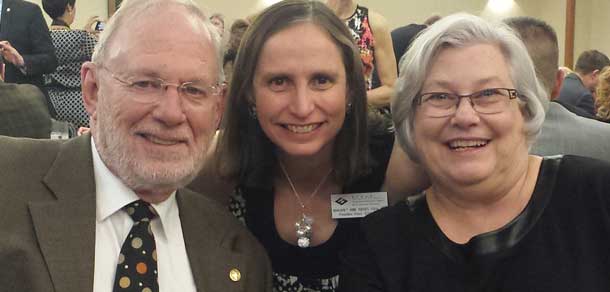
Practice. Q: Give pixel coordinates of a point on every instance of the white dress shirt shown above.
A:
(112, 226)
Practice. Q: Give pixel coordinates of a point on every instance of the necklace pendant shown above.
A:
(304, 231)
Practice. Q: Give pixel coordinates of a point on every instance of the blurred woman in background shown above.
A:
(73, 47)
(602, 97)
(371, 33)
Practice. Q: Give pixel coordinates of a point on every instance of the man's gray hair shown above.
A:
(463, 30)
(131, 9)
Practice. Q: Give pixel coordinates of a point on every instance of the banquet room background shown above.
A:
(592, 24)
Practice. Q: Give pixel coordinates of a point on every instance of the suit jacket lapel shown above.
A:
(209, 244)
(65, 228)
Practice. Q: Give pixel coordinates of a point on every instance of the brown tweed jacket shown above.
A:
(47, 225)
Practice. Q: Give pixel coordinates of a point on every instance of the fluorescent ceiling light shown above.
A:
(500, 6)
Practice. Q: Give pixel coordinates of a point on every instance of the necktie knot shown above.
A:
(140, 211)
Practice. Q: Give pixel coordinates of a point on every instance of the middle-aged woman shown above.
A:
(296, 131)
(73, 47)
(495, 218)
(602, 97)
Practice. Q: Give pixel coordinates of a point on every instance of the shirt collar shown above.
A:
(112, 194)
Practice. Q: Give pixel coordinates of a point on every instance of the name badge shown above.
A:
(357, 205)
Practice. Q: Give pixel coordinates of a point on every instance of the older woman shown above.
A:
(296, 131)
(494, 218)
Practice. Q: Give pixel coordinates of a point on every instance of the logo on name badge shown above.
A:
(341, 201)
(357, 205)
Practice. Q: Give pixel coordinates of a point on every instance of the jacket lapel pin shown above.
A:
(234, 275)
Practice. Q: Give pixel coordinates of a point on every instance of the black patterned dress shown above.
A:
(73, 48)
(315, 268)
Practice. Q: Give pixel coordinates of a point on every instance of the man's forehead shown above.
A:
(168, 22)
(151, 36)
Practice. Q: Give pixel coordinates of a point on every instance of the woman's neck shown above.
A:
(342, 8)
(463, 212)
(305, 170)
(60, 23)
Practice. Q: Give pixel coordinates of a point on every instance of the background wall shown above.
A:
(592, 24)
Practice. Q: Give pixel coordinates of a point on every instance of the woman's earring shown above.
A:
(252, 111)
(348, 109)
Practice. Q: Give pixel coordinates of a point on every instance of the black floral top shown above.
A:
(360, 28)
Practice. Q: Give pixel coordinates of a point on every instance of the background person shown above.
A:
(603, 96)
(494, 218)
(372, 35)
(23, 110)
(563, 132)
(108, 211)
(578, 88)
(238, 29)
(25, 44)
(218, 20)
(73, 47)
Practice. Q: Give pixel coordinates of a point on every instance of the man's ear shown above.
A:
(595, 73)
(558, 82)
(90, 88)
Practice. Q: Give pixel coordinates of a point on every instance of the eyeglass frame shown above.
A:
(512, 94)
(216, 89)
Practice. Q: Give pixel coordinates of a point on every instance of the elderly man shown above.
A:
(563, 132)
(107, 212)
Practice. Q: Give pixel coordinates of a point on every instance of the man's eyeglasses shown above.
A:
(150, 89)
(486, 101)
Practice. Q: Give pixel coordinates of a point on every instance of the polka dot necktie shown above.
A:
(137, 266)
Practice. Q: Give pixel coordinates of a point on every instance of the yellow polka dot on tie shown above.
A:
(136, 243)
(146, 290)
(121, 258)
(154, 255)
(141, 268)
(130, 211)
(124, 282)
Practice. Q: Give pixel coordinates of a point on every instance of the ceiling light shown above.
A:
(500, 6)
